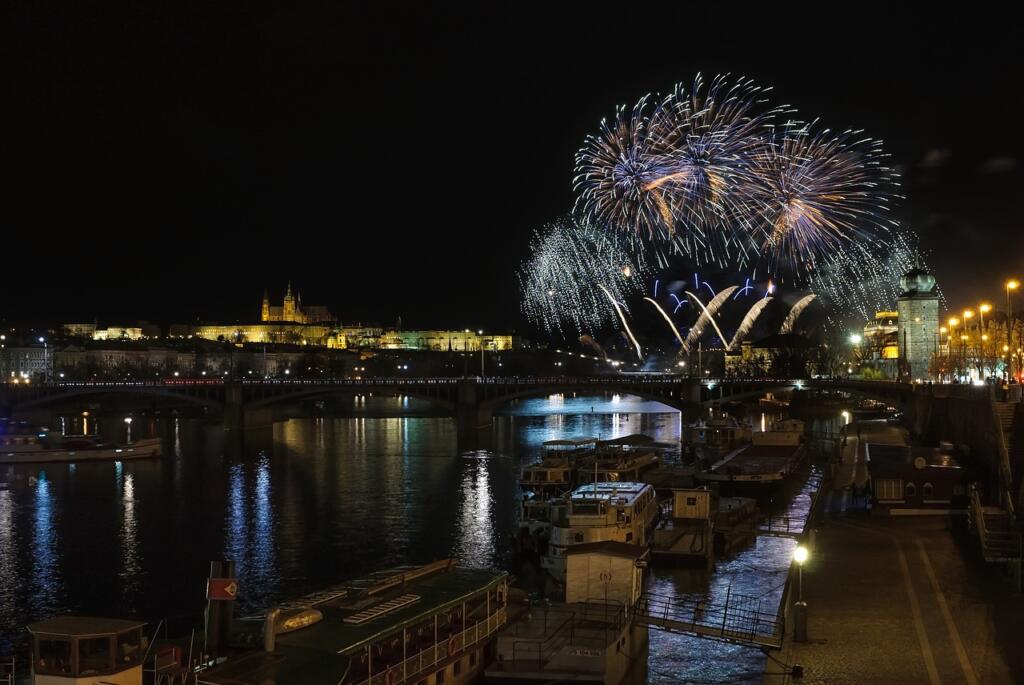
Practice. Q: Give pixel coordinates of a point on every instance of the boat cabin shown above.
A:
(428, 625)
(81, 650)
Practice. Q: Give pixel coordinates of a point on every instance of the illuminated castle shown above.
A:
(292, 311)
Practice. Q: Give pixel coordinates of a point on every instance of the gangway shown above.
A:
(783, 527)
(739, 620)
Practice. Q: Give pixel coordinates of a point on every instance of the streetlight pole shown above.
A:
(1011, 284)
(983, 308)
(968, 315)
(46, 360)
(800, 555)
(953, 321)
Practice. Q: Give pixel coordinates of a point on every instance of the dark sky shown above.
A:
(168, 163)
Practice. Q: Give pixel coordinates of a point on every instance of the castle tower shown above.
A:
(288, 310)
(265, 310)
(918, 324)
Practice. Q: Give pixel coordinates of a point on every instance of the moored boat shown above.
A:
(22, 444)
(771, 458)
(600, 512)
(716, 435)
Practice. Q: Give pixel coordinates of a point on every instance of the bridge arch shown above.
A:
(151, 392)
(438, 399)
(671, 398)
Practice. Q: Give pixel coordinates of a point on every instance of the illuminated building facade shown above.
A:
(881, 335)
(292, 311)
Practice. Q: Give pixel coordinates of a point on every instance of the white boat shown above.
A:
(28, 445)
(601, 512)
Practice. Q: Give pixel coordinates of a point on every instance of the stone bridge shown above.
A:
(471, 401)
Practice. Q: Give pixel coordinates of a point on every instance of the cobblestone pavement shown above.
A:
(904, 600)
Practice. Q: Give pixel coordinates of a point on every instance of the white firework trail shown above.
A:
(667, 319)
(622, 317)
(795, 312)
(708, 314)
(748, 321)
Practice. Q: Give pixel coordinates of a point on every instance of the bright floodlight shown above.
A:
(800, 554)
(855, 339)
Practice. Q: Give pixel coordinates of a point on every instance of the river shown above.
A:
(316, 501)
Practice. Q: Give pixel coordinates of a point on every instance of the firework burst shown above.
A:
(618, 169)
(820, 192)
(570, 261)
(678, 168)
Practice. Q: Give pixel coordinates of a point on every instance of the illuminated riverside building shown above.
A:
(351, 337)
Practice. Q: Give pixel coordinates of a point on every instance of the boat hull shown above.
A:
(140, 449)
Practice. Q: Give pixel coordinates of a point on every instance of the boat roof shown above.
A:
(609, 489)
(633, 439)
(570, 442)
(82, 626)
(356, 613)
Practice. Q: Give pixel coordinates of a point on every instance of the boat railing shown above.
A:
(439, 652)
(7, 670)
(540, 650)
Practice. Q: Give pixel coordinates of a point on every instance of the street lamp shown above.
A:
(983, 309)
(800, 555)
(1011, 284)
(46, 360)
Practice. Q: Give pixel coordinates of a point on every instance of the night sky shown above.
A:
(167, 164)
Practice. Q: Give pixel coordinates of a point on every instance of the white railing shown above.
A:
(428, 658)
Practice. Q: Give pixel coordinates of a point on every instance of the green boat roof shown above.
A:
(320, 652)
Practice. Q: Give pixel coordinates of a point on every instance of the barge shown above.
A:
(771, 458)
(22, 444)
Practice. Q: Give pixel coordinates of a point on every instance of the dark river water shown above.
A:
(315, 501)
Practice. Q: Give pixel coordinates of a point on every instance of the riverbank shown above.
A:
(903, 600)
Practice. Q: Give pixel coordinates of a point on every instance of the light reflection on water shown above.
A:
(311, 503)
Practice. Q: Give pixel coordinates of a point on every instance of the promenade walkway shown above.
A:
(903, 600)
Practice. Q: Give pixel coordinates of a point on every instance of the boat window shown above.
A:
(439, 678)
(629, 537)
(578, 537)
(53, 657)
(927, 490)
(128, 648)
(93, 655)
(457, 667)
(911, 490)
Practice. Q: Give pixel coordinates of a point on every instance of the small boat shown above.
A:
(717, 435)
(23, 444)
(621, 459)
(556, 472)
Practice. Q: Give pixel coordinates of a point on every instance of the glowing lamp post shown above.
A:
(128, 425)
(1011, 285)
(800, 555)
(983, 309)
